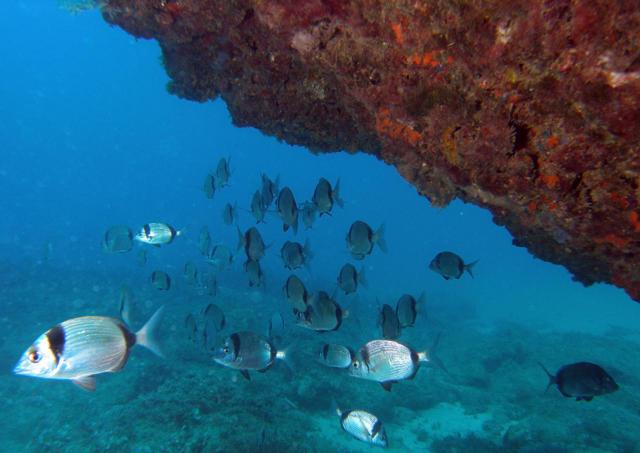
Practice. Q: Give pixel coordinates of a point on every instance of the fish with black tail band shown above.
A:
(336, 355)
(389, 323)
(258, 208)
(349, 278)
(254, 272)
(582, 381)
(229, 214)
(287, 210)
(247, 351)
(361, 238)
(80, 348)
(295, 255)
(323, 314)
(269, 190)
(363, 426)
(252, 243)
(117, 239)
(386, 362)
(161, 280)
(296, 294)
(450, 265)
(157, 234)
(325, 196)
(407, 309)
(222, 174)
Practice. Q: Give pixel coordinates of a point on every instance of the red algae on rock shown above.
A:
(530, 109)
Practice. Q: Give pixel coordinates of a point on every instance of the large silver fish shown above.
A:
(386, 362)
(361, 239)
(324, 196)
(363, 426)
(247, 351)
(157, 234)
(287, 209)
(80, 348)
(450, 265)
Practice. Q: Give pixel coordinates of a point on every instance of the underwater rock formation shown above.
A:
(528, 108)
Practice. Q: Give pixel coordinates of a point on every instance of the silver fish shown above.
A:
(450, 265)
(157, 234)
(407, 309)
(309, 212)
(117, 239)
(161, 280)
(361, 239)
(386, 362)
(336, 355)
(229, 214)
(247, 351)
(363, 426)
(220, 257)
(389, 323)
(209, 186)
(254, 272)
(349, 278)
(258, 208)
(269, 190)
(287, 209)
(324, 196)
(252, 243)
(80, 348)
(295, 255)
(323, 314)
(296, 294)
(204, 240)
(222, 173)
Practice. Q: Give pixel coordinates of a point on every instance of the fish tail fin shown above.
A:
(336, 194)
(181, 232)
(378, 238)
(552, 378)
(284, 355)
(432, 355)
(240, 238)
(469, 267)
(146, 336)
(362, 278)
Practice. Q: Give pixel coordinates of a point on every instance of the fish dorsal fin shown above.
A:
(87, 383)
(245, 374)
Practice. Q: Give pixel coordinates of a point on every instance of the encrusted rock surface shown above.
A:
(529, 108)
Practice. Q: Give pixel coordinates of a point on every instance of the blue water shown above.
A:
(90, 138)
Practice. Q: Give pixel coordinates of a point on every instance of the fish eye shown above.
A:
(355, 364)
(225, 349)
(34, 356)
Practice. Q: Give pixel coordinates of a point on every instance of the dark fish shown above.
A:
(142, 258)
(247, 351)
(191, 327)
(361, 239)
(258, 208)
(363, 426)
(324, 196)
(582, 381)
(214, 322)
(117, 239)
(287, 209)
(210, 284)
(80, 348)
(295, 255)
(254, 272)
(229, 214)
(309, 212)
(349, 278)
(220, 257)
(387, 362)
(209, 186)
(157, 234)
(407, 309)
(204, 241)
(450, 265)
(216, 315)
(269, 190)
(389, 323)
(336, 355)
(252, 243)
(191, 273)
(125, 303)
(161, 280)
(222, 173)
(323, 314)
(296, 294)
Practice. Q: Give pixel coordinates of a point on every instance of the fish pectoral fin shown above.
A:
(386, 385)
(87, 383)
(245, 374)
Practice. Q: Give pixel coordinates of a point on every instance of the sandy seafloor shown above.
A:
(492, 400)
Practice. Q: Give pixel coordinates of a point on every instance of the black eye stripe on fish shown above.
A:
(235, 341)
(56, 338)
